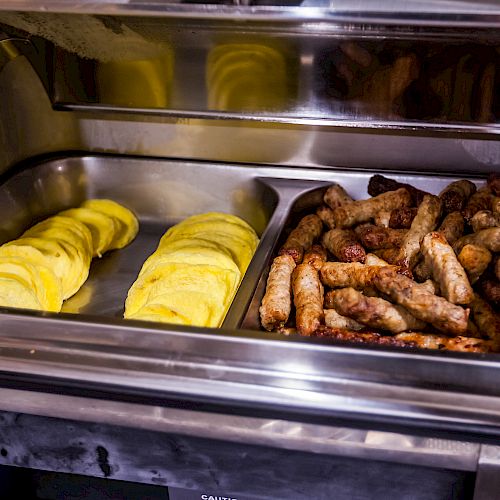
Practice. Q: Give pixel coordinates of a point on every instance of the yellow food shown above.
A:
(51, 260)
(125, 219)
(194, 273)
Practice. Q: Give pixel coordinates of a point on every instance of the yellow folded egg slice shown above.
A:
(127, 221)
(15, 292)
(101, 226)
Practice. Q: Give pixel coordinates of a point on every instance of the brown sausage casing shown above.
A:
(302, 237)
(344, 245)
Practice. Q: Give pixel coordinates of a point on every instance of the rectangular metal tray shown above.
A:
(234, 366)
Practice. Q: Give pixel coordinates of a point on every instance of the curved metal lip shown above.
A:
(446, 13)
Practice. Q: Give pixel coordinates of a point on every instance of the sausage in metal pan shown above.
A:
(494, 183)
(374, 312)
(401, 218)
(486, 319)
(490, 289)
(424, 222)
(343, 244)
(308, 299)
(277, 302)
(437, 311)
(336, 196)
(481, 200)
(325, 213)
(484, 219)
(455, 195)
(335, 320)
(410, 339)
(474, 259)
(379, 184)
(446, 269)
(378, 237)
(452, 227)
(363, 210)
(302, 237)
(487, 238)
(316, 256)
(353, 274)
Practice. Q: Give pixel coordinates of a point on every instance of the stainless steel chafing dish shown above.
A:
(250, 107)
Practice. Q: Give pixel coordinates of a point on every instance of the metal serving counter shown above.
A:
(248, 107)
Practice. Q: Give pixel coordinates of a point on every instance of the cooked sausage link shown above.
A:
(316, 256)
(494, 183)
(485, 318)
(401, 218)
(326, 215)
(335, 196)
(410, 339)
(446, 269)
(481, 200)
(277, 302)
(474, 259)
(374, 312)
(302, 237)
(374, 260)
(343, 244)
(382, 219)
(484, 219)
(379, 184)
(308, 299)
(460, 344)
(361, 211)
(490, 289)
(377, 237)
(353, 274)
(487, 238)
(452, 227)
(335, 320)
(437, 311)
(455, 195)
(424, 222)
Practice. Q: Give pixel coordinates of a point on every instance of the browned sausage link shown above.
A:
(377, 237)
(490, 289)
(301, 238)
(382, 219)
(474, 259)
(455, 195)
(277, 302)
(411, 339)
(316, 256)
(452, 227)
(373, 260)
(485, 318)
(495, 205)
(335, 320)
(374, 312)
(484, 219)
(326, 215)
(430, 308)
(308, 299)
(353, 274)
(401, 218)
(494, 183)
(343, 244)
(379, 184)
(481, 200)
(460, 344)
(487, 238)
(424, 222)
(363, 210)
(335, 196)
(446, 269)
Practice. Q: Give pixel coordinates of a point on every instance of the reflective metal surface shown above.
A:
(253, 370)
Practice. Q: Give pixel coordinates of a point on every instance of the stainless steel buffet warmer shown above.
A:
(250, 107)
